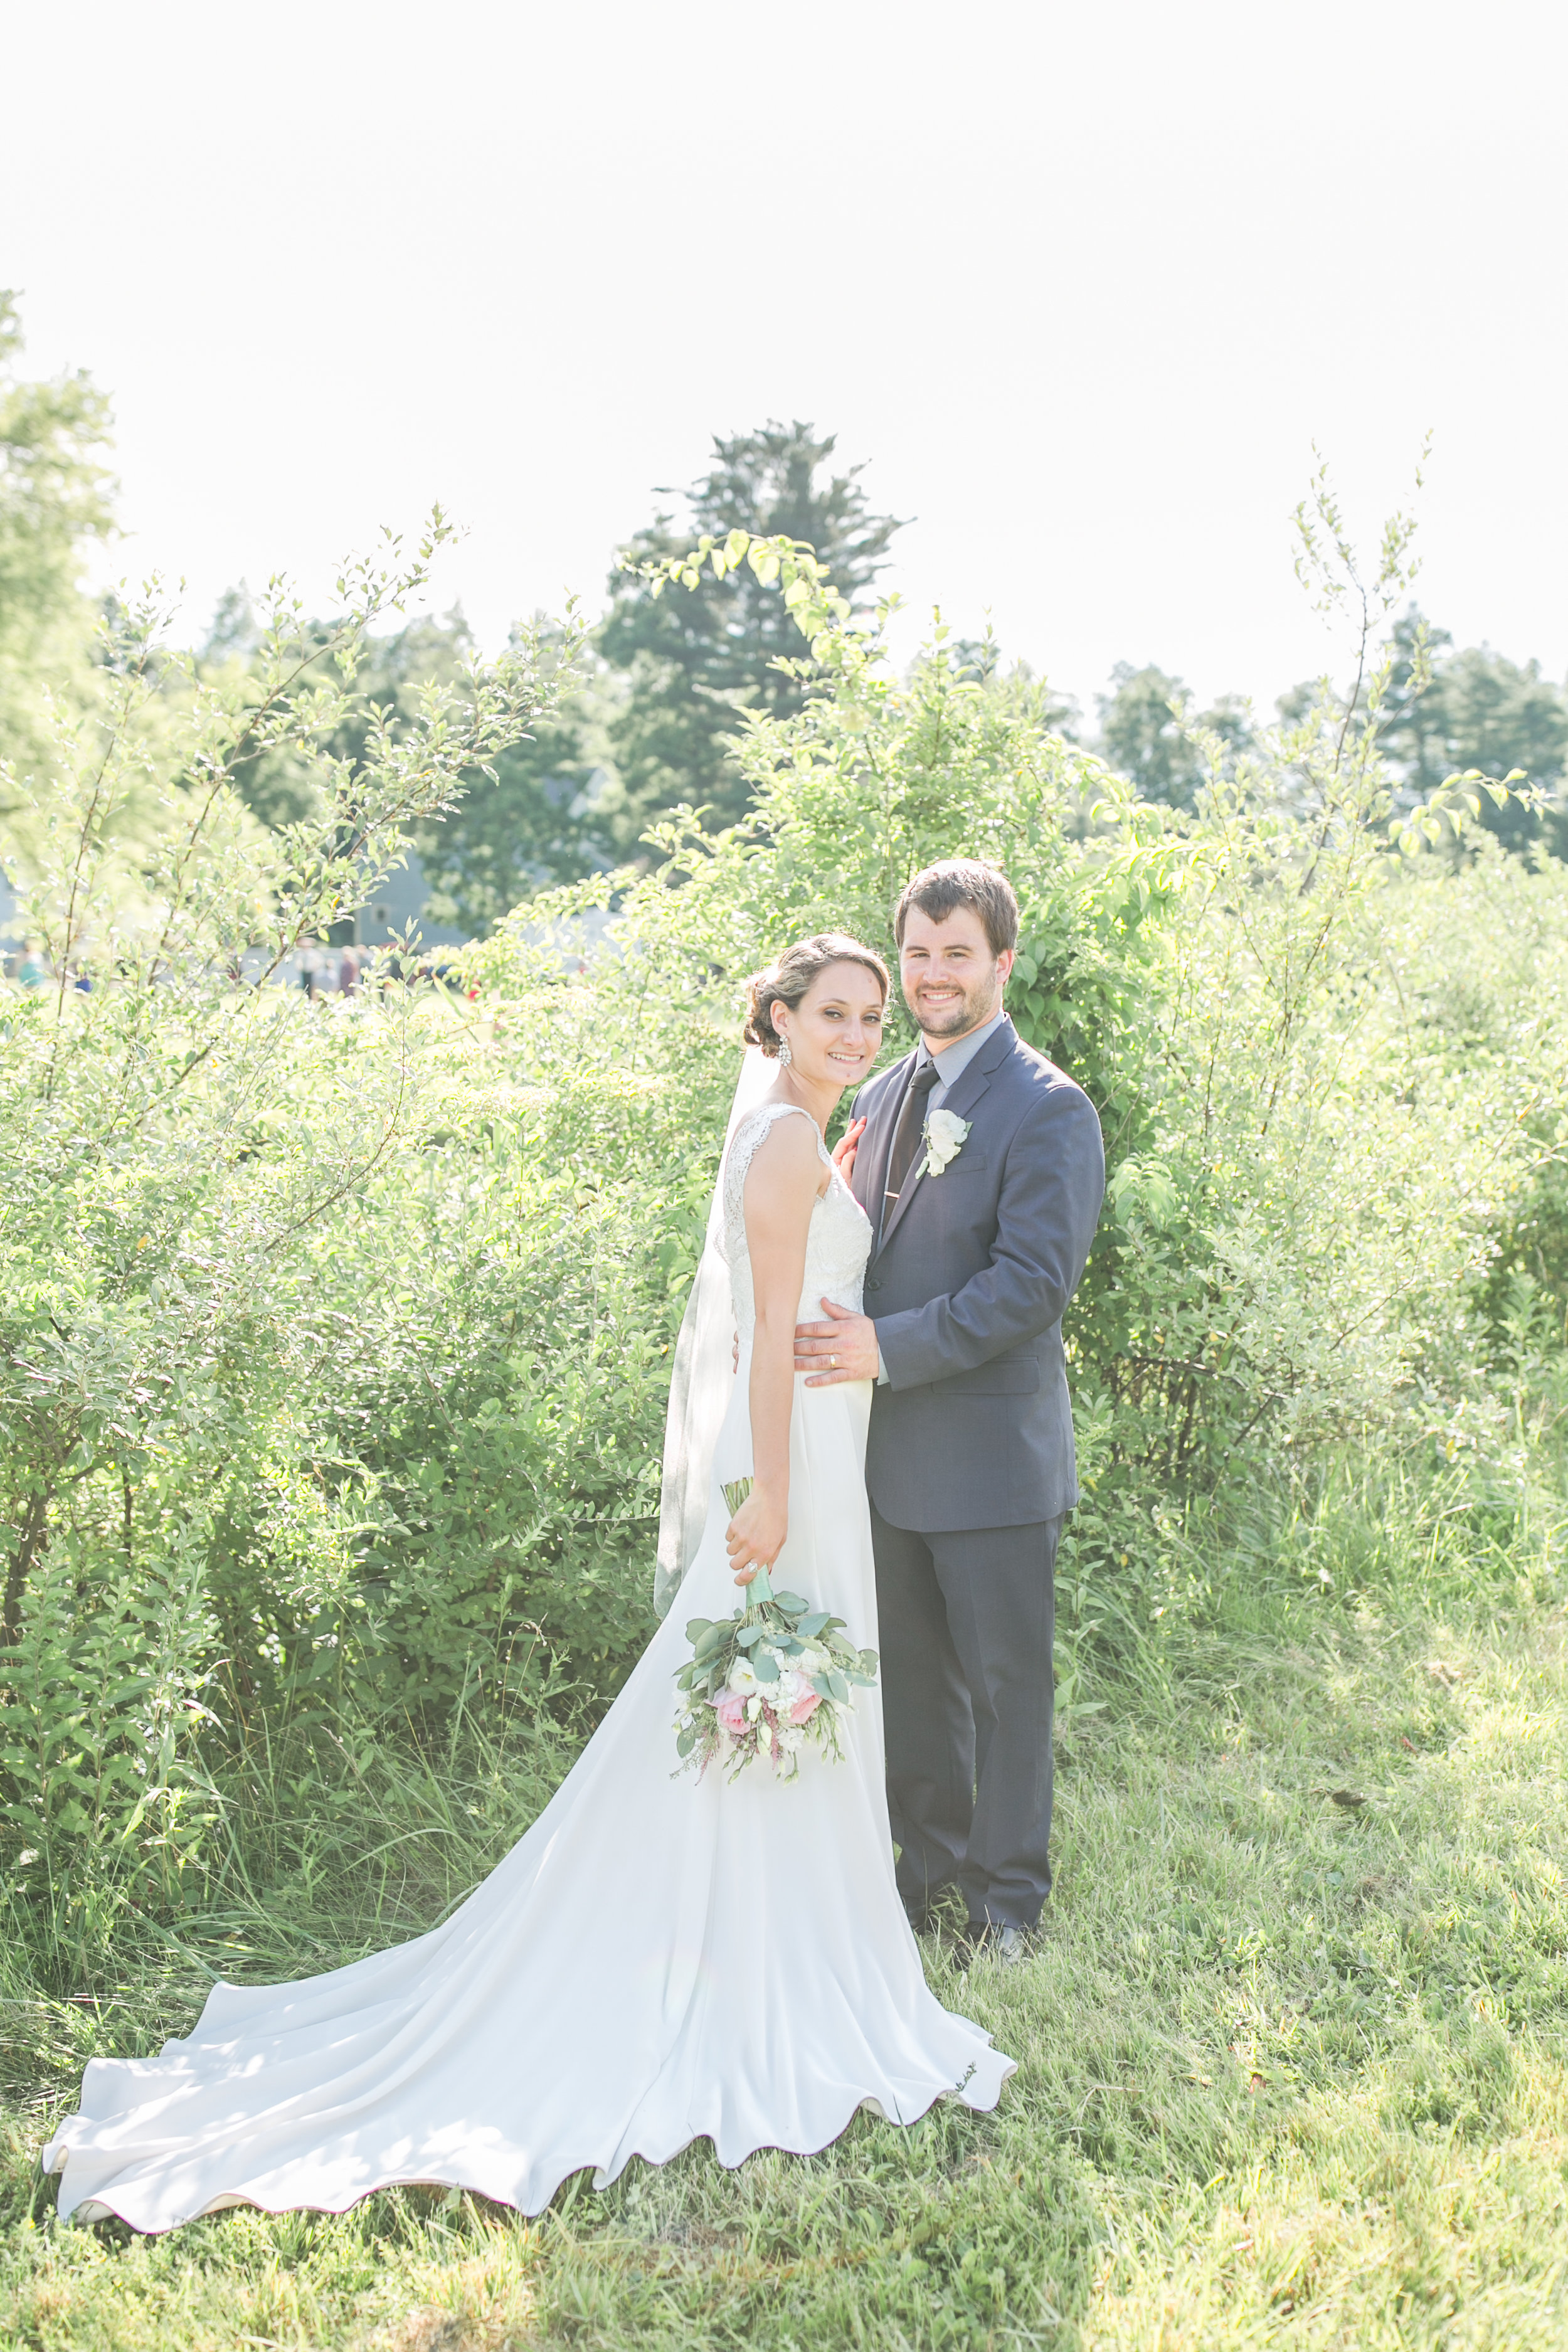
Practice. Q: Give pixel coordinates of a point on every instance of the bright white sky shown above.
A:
(1083, 283)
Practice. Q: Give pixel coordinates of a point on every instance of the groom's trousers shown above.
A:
(965, 1624)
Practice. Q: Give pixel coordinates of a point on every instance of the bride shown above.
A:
(660, 1959)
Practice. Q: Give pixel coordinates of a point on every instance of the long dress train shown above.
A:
(656, 1960)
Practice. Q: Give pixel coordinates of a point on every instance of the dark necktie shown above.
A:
(906, 1135)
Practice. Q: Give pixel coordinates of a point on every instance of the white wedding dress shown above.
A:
(658, 1959)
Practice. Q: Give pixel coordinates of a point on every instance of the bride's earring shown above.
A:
(785, 1056)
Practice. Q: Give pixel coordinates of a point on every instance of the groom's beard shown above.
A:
(958, 1017)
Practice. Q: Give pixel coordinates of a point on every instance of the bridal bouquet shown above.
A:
(766, 1680)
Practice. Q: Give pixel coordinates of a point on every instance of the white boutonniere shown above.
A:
(945, 1139)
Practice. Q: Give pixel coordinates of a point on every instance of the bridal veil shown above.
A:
(704, 1369)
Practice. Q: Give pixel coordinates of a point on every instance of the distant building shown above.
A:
(398, 906)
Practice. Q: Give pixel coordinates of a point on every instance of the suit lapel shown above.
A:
(870, 1176)
(960, 1102)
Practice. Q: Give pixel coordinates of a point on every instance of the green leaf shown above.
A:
(765, 1666)
(809, 1627)
(838, 1686)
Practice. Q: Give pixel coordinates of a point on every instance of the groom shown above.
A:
(981, 1168)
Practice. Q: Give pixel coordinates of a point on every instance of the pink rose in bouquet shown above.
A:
(730, 1707)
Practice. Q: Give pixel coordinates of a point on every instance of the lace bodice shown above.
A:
(838, 1240)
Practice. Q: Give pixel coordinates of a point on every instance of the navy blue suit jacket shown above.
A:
(966, 1287)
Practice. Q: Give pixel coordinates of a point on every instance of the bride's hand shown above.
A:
(755, 1537)
(844, 1149)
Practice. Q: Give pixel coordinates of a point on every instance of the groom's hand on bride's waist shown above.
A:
(842, 1349)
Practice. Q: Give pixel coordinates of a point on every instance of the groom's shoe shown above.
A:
(997, 1941)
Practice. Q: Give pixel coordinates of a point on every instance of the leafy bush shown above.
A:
(335, 1337)
(1308, 1194)
(203, 1172)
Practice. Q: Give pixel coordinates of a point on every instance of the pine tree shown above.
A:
(697, 660)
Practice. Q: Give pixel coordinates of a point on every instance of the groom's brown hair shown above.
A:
(963, 882)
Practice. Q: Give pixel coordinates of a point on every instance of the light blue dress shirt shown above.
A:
(954, 1060)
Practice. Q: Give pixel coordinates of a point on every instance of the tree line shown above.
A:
(666, 685)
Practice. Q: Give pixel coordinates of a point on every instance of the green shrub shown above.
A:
(198, 1167)
(334, 1337)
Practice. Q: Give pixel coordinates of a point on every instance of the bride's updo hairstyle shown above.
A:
(786, 982)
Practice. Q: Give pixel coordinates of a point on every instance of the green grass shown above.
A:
(1291, 2071)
